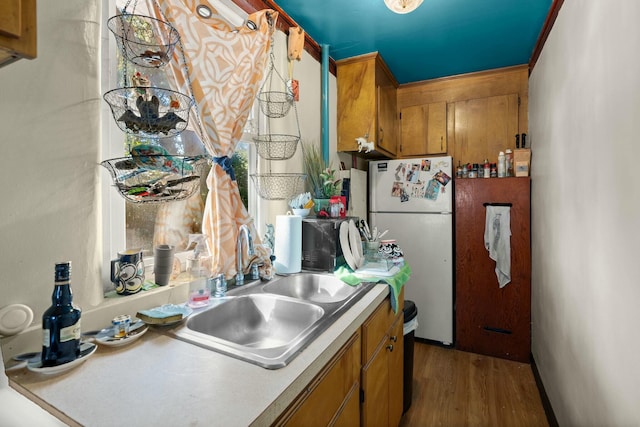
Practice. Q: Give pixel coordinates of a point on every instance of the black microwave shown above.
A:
(321, 248)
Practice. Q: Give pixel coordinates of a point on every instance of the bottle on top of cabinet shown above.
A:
(61, 322)
(508, 157)
(502, 167)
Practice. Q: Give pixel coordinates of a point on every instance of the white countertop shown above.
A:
(162, 381)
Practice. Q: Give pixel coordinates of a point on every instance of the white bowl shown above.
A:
(301, 212)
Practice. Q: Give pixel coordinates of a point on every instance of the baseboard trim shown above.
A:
(546, 403)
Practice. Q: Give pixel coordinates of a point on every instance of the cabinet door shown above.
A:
(396, 371)
(387, 123)
(356, 103)
(329, 395)
(437, 129)
(375, 385)
(492, 320)
(17, 30)
(483, 127)
(424, 129)
(349, 414)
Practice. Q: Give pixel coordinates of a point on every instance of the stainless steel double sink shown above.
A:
(269, 323)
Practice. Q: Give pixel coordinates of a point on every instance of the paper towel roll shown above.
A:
(288, 244)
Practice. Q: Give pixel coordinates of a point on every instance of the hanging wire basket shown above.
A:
(276, 146)
(144, 41)
(149, 111)
(279, 186)
(155, 178)
(275, 104)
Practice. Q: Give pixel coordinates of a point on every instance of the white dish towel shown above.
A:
(497, 240)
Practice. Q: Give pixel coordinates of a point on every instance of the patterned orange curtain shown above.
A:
(225, 68)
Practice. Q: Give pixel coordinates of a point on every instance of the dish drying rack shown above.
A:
(276, 104)
(150, 112)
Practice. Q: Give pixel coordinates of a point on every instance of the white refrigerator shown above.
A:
(413, 199)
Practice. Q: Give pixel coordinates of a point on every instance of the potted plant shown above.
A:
(322, 181)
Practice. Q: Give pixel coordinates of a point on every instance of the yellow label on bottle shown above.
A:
(46, 335)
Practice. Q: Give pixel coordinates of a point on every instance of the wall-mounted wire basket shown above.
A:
(276, 146)
(149, 111)
(275, 104)
(155, 179)
(279, 186)
(144, 41)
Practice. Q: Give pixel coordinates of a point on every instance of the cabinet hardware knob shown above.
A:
(393, 338)
(390, 347)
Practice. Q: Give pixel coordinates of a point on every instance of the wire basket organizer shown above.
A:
(157, 178)
(276, 146)
(149, 111)
(145, 41)
(279, 186)
(275, 104)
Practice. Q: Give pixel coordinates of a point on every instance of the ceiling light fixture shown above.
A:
(402, 6)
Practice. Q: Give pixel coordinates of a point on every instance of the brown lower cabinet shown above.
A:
(491, 320)
(362, 384)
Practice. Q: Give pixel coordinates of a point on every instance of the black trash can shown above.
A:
(410, 312)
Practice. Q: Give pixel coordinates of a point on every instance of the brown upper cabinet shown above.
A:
(424, 130)
(469, 117)
(483, 127)
(17, 30)
(367, 105)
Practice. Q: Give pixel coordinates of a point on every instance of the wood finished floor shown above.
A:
(453, 388)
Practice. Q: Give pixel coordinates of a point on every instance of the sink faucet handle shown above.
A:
(254, 274)
(219, 286)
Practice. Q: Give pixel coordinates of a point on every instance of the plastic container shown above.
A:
(410, 324)
(198, 267)
(502, 165)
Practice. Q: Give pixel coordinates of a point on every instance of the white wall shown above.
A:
(49, 115)
(50, 111)
(584, 105)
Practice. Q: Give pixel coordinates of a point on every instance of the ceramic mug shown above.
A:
(390, 249)
(127, 272)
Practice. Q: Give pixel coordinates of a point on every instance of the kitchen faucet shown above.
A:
(243, 234)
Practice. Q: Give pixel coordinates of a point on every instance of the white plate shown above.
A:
(355, 243)
(344, 243)
(137, 329)
(15, 318)
(86, 350)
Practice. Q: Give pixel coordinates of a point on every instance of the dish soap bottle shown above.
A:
(198, 267)
(61, 322)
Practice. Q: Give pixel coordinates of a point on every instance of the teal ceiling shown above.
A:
(440, 38)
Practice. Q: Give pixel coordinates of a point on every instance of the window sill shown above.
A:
(100, 316)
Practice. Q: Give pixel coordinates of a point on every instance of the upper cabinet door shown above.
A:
(17, 30)
(387, 123)
(424, 130)
(367, 105)
(483, 127)
(356, 104)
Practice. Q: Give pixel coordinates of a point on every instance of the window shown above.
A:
(132, 225)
